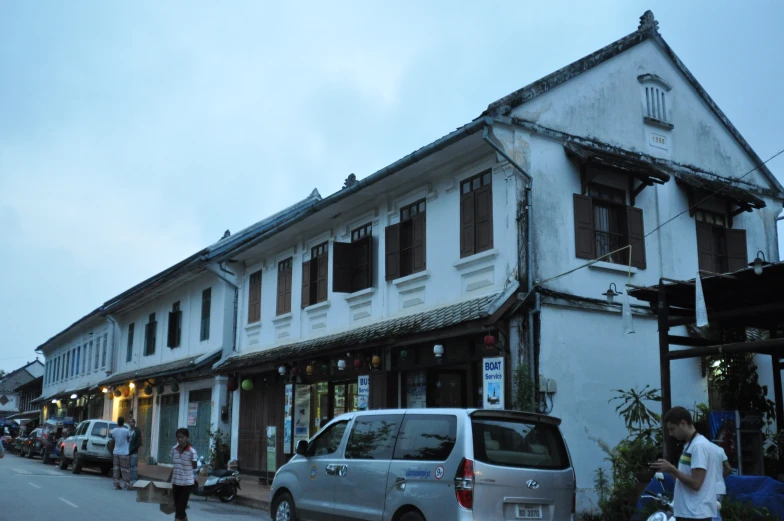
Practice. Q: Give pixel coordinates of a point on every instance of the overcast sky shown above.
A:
(132, 136)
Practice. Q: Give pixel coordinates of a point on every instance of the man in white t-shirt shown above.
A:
(721, 463)
(697, 473)
(122, 458)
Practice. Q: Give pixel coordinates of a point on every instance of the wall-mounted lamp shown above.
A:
(132, 385)
(54, 401)
(105, 390)
(611, 293)
(438, 350)
(759, 263)
(74, 396)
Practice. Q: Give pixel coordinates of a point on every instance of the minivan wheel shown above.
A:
(412, 515)
(284, 508)
(77, 464)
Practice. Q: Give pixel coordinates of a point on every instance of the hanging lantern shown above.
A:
(325, 368)
(117, 393)
(341, 364)
(489, 341)
(126, 393)
(110, 396)
(282, 370)
(438, 350)
(231, 384)
(132, 385)
(376, 361)
(403, 354)
(161, 389)
(247, 384)
(175, 387)
(759, 263)
(309, 369)
(294, 371)
(611, 293)
(148, 390)
(105, 390)
(357, 364)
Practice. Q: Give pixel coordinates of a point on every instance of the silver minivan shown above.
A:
(429, 465)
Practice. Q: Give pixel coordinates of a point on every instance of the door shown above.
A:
(249, 449)
(200, 402)
(449, 390)
(123, 408)
(361, 483)
(144, 423)
(170, 415)
(317, 473)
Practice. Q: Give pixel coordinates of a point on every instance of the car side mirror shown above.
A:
(302, 448)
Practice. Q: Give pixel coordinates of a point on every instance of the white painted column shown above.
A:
(219, 396)
(235, 424)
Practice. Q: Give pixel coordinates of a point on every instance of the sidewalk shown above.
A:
(252, 494)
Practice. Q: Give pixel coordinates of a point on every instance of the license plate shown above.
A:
(529, 511)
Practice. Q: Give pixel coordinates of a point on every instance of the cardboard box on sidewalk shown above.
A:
(153, 492)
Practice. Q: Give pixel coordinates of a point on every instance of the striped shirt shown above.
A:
(182, 473)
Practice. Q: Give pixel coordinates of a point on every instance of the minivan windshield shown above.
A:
(518, 443)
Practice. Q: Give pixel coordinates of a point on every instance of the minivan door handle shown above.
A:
(331, 469)
(342, 470)
(400, 483)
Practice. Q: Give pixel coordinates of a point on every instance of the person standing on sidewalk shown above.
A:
(122, 459)
(184, 458)
(133, 450)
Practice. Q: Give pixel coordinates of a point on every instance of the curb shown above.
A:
(241, 500)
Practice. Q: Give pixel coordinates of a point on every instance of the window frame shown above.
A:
(406, 242)
(476, 230)
(371, 419)
(206, 314)
(315, 276)
(174, 332)
(324, 433)
(254, 297)
(129, 344)
(150, 334)
(284, 289)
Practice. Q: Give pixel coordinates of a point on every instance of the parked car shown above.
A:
(88, 447)
(428, 465)
(56, 430)
(34, 443)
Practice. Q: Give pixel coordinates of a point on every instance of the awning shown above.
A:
(62, 394)
(745, 200)
(634, 165)
(25, 415)
(172, 368)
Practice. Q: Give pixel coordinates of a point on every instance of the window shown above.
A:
(476, 214)
(405, 242)
(314, 275)
(603, 224)
(103, 352)
(175, 326)
(129, 348)
(373, 437)
(426, 437)
(254, 297)
(68, 365)
(283, 301)
(328, 441)
(85, 359)
(655, 104)
(352, 270)
(100, 429)
(150, 331)
(720, 249)
(81, 429)
(511, 443)
(78, 360)
(206, 302)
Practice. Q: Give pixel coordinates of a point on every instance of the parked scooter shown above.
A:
(221, 483)
(666, 513)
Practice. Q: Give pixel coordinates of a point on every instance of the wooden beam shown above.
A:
(761, 346)
(689, 341)
(753, 311)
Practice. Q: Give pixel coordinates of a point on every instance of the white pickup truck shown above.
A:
(88, 447)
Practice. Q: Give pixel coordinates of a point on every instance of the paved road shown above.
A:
(33, 491)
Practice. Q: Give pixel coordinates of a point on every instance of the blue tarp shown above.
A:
(761, 491)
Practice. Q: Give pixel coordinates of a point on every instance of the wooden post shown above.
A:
(777, 393)
(664, 366)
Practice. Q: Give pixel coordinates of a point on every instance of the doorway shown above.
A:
(200, 405)
(448, 389)
(144, 423)
(170, 415)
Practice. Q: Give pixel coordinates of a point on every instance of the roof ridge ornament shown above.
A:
(648, 22)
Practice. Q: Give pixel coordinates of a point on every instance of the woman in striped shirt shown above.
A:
(184, 457)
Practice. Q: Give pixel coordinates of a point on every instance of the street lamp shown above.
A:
(759, 263)
(611, 293)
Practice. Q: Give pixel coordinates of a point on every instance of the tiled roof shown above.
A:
(425, 321)
(179, 366)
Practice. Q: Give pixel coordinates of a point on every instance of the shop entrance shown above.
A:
(436, 388)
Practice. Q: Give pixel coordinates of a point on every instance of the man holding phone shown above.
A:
(697, 473)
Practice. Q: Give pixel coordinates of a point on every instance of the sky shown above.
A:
(133, 134)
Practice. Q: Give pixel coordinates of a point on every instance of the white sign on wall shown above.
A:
(493, 383)
(363, 393)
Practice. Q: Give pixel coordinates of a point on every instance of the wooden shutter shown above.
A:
(254, 297)
(322, 277)
(342, 256)
(419, 222)
(467, 228)
(280, 301)
(737, 255)
(705, 246)
(636, 235)
(392, 247)
(363, 265)
(288, 276)
(585, 245)
(484, 218)
(171, 337)
(305, 284)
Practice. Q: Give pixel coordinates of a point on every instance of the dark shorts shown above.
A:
(181, 495)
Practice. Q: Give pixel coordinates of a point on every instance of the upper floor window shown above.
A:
(206, 304)
(405, 242)
(150, 332)
(129, 348)
(254, 297)
(283, 301)
(174, 334)
(103, 351)
(604, 224)
(720, 249)
(476, 214)
(352, 270)
(315, 273)
(656, 104)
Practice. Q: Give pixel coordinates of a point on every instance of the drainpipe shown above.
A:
(487, 135)
(230, 278)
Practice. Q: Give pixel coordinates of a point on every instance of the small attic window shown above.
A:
(656, 106)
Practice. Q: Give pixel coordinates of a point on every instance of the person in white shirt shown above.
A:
(122, 459)
(721, 463)
(696, 475)
(184, 459)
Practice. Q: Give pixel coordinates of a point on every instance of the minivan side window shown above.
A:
(100, 429)
(426, 437)
(373, 437)
(519, 443)
(328, 441)
(81, 429)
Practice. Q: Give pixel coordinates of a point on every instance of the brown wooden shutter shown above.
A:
(280, 300)
(171, 336)
(737, 255)
(322, 277)
(585, 245)
(254, 297)
(484, 218)
(305, 284)
(705, 246)
(342, 257)
(288, 277)
(636, 232)
(419, 226)
(365, 246)
(467, 228)
(392, 246)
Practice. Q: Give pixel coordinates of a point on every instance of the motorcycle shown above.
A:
(221, 483)
(666, 512)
